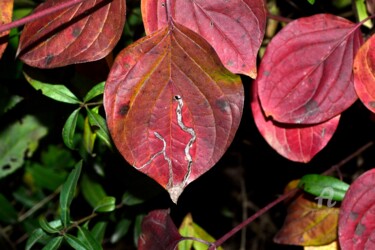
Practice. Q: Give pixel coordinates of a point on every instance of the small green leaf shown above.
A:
(35, 237)
(130, 199)
(89, 137)
(7, 100)
(362, 12)
(89, 240)
(57, 157)
(98, 231)
(54, 243)
(45, 177)
(122, 228)
(311, 1)
(75, 243)
(46, 226)
(137, 228)
(324, 186)
(70, 128)
(18, 139)
(99, 122)
(67, 193)
(57, 92)
(92, 191)
(107, 204)
(7, 212)
(94, 92)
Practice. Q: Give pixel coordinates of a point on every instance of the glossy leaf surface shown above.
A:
(85, 32)
(364, 73)
(235, 29)
(172, 108)
(357, 214)
(305, 76)
(295, 142)
(6, 10)
(158, 232)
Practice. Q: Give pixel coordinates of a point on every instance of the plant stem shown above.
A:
(38, 14)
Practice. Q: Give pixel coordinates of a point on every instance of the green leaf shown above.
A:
(99, 122)
(7, 100)
(17, 139)
(92, 191)
(89, 137)
(70, 128)
(54, 91)
(107, 204)
(46, 226)
(54, 243)
(35, 237)
(122, 228)
(98, 231)
(75, 243)
(311, 1)
(57, 157)
(130, 199)
(324, 186)
(137, 228)
(362, 12)
(89, 240)
(45, 177)
(67, 193)
(94, 92)
(7, 212)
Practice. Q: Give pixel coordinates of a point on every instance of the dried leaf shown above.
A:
(172, 108)
(85, 32)
(305, 76)
(235, 29)
(6, 11)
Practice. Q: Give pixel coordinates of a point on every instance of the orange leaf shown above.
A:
(6, 11)
(332, 246)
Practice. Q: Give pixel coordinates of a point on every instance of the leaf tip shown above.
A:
(175, 192)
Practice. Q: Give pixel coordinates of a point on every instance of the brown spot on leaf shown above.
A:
(76, 32)
(124, 109)
(312, 106)
(222, 105)
(353, 215)
(48, 59)
(360, 229)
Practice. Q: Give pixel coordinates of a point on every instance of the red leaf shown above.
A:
(172, 108)
(6, 10)
(364, 67)
(295, 142)
(158, 232)
(305, 76)
(85, 32)
(357, 214)
(235, 29)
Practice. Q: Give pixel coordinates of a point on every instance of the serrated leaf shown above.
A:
(105, 205)
(172, 108)
(75, 243)
(67, 193)
(324, 186)
(54, 91)
(305, 76)
(158, 232)
(54, 243)
(101, 127)
(6, 7)
(89, 239)
(92, 191)
(293, 141)
(121, 229)
(94, 92)
(17, 139)
(356, 222)
(46, 226)
(8, 213)
(34, 238)
(235, 29)
(70, 128)
(85, 32)
(98, 231)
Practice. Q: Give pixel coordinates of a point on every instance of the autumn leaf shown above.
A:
(331, 246)
(357, 216)
(85, 32)
(309, 222)
(172, 108)
(305, 76)
(158, 232)
(6, 11)
(235, 29)
(364, 68)
(295, 142)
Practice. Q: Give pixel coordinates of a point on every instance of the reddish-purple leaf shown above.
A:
(172, 108)
(364, 77)
(6, 10)
(158, 232)
(357, 214)
(85, 32)
(305, 76)
(235, 29)
(293, 141)
(370, 6)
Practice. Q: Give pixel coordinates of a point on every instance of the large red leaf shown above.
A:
(357, 214)
(158, 232)
(293, 141)
(85, 32)
(364, 77)
(234, 28)
(172, 108)
(6, 10)
(305, 76)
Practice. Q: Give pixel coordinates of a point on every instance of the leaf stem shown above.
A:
(38, 14)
